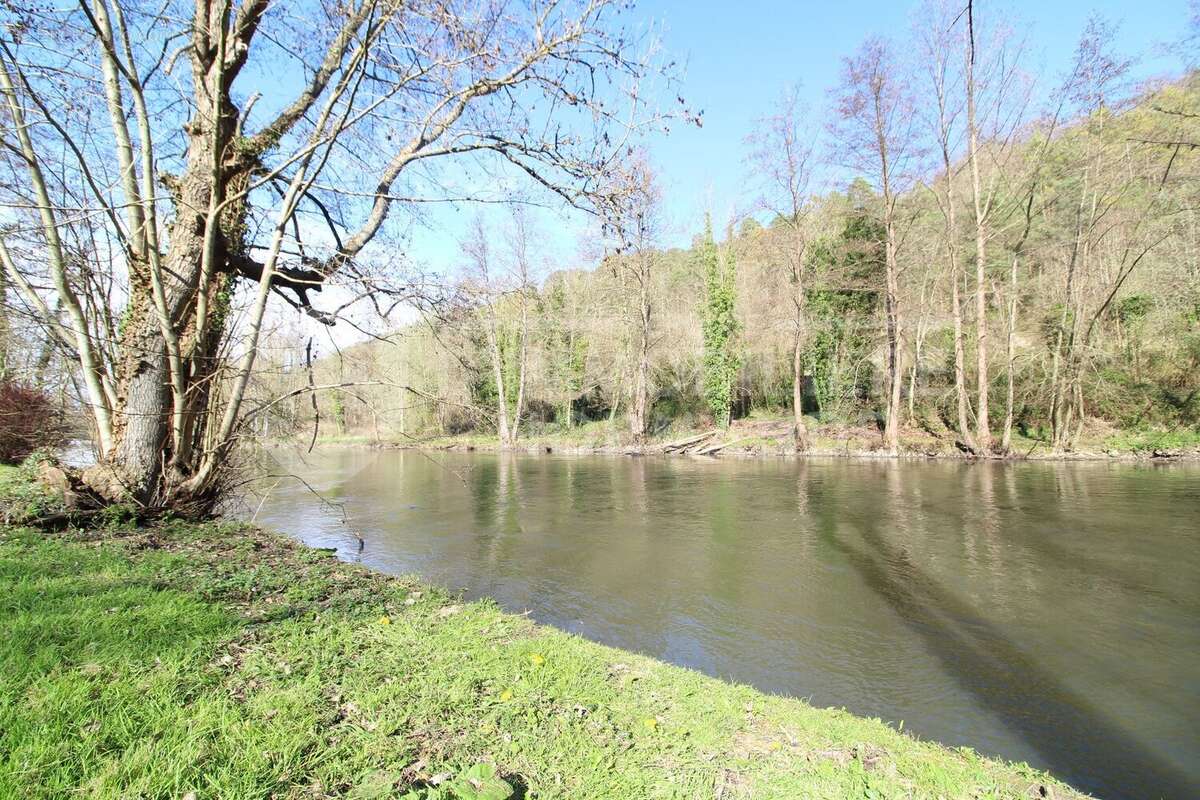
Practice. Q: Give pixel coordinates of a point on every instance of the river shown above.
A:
(1042, 612)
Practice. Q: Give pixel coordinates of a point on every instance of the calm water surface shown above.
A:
(1048, 613)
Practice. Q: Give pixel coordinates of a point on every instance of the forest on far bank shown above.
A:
(1014, 276)
(952, 249)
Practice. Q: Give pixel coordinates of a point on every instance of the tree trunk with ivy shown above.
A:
(720, 331)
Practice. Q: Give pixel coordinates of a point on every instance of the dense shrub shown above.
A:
(458, 421)
(590, 406)
(28, 421)
(538, 412)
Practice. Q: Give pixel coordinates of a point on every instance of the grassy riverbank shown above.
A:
(222, 661)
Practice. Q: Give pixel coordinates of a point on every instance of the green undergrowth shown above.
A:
(22, 495)
(1151, 441)
(222, 661)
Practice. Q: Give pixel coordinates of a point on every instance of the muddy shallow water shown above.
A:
(1043, 612)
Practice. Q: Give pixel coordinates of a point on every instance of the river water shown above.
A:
(1043, 612)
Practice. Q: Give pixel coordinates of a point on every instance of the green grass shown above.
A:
(1148, 441)
(221, 661)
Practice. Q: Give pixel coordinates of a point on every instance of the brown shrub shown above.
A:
(28, 421)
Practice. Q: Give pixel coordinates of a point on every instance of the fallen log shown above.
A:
(62, 519)
(683, 444)
(708, 451)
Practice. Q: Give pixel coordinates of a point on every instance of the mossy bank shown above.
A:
(224, 661)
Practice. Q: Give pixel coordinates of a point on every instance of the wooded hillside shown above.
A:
(1088, 305)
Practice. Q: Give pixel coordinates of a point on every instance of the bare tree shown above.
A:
(983, 434)
(996, 99)
(1096, 76)
(522, 273)
(195, 184)
(783, 156)
(491, 291)
(633, 220)
(873, 129)
(939, 40)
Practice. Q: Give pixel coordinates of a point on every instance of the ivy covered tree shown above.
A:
(843, 307)
(720, 327)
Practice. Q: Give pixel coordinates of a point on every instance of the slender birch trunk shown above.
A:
(983, 435)
(639, 411)
(493, 342)
(1010, 358)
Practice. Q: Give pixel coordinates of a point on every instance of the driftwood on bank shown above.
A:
(682, 445)
(707, 451)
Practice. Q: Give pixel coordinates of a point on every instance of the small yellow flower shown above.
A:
(506, 695)
(652, 723)
(537, 659)
(774, 746)
(385, 620)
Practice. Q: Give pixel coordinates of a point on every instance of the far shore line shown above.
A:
(853, 451)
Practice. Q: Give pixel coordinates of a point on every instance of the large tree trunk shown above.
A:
(156, 428)
(142, 448)
(143, 411)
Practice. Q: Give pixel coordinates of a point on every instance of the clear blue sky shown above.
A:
(740, 56)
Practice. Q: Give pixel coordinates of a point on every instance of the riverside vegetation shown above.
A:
(1087, 288)
(956, 252)
(218, 660)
